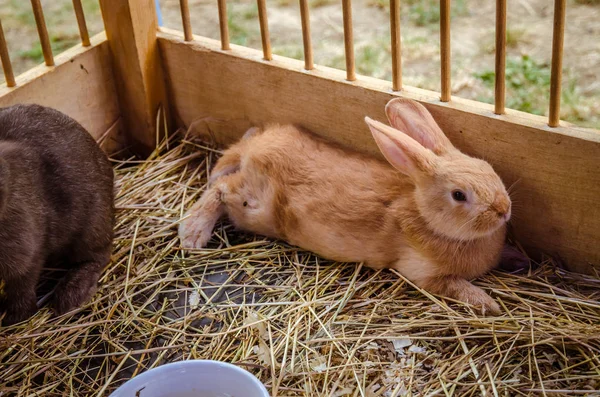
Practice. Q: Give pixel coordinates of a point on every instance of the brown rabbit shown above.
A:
(440, 221)
(56, 208)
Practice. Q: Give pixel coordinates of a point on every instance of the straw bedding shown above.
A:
(303, 325)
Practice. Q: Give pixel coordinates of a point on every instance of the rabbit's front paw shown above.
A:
(16, 311)
(477, 297)
(458, 288)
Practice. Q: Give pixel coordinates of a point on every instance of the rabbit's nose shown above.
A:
(502, 208)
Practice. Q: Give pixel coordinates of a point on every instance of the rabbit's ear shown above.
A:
(401, 151)
(413, 119)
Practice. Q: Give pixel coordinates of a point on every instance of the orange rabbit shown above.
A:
(437, 216)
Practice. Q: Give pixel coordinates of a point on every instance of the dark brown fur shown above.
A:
(56, 207)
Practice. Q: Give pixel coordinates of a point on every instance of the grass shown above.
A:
(527, 84)
(243, 24)
(321, 3)
(515, 36)
(22, 36)
(290, 50)
(91, 7)
(58, 44)
(370, 58)
(528, 87)
(583, 110)
(381, 4)
(311, 3)
(422, 12)
(21, 11)
(55, 13)
(284, 3)
(427, 12)
(373, 60)
(578, 104)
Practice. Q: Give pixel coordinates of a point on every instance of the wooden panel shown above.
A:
(131, 27)
(81, 85)
(556, 198)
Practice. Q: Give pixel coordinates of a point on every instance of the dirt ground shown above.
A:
(529, 40)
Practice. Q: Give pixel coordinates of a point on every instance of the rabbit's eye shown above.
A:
(459, 196)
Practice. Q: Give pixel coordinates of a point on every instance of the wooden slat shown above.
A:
(500, 89)
(131, 27)
(558, 36)
(348, 40)
(81, 85)
(264, 29)
(223, 25)
(308, 53)
(40, 22)
(83, 30)
(445, 49)
(557, 194)
(396, 46)
(5, 58)
(185, 20)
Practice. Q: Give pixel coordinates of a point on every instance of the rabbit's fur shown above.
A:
(56, 209)
(289, 184)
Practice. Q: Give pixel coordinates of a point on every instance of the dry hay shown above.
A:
(303, 325)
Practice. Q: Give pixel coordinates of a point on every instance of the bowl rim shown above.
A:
(147, 375)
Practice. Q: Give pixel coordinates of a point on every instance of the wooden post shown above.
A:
(40, 22)
(185, 20)
(83, 30)
(396, 45)
(223, 25)
(558, 37)
(348, 40)
(308, 54)
(131, 28)
(500, 87)
(264, 30)
(5, 58)
(445, 49)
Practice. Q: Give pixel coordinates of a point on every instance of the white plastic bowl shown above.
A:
(194, 378)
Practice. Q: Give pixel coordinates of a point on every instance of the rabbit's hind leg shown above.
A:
(17, 296)
(85, 258)
(80, 282)
(196, 228)
(199, 221)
